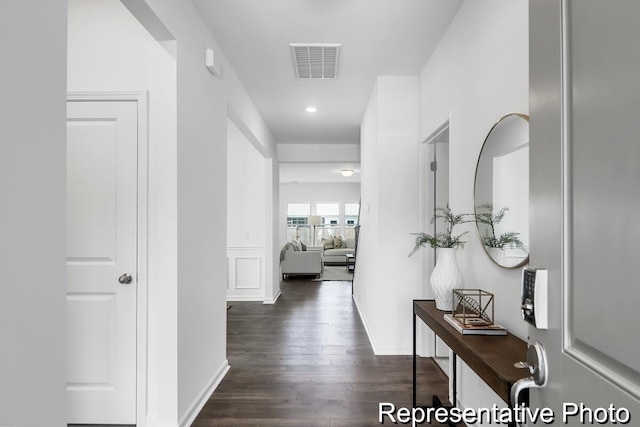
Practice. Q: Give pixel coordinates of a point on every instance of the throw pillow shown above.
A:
(327, 244)
(339, 243)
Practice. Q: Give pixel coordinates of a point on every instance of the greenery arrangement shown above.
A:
(485, 215)
(444, 239)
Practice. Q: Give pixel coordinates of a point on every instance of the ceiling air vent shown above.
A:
(315, 61)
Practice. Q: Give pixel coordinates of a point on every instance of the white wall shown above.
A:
(246, 210)
(245, 197)
(475, 84)
(188, 113)
(33, 214)
(386, 279)
(204, 104)
(202, 107)
(478, 73)
(312, 193)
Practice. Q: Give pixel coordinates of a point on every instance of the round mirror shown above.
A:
(501, 192)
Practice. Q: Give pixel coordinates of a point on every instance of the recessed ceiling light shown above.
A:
(311, 109)
(347, 173)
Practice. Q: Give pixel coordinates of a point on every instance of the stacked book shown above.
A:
(474, 326)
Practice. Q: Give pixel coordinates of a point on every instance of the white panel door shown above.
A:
(101, 247)
(585, 171)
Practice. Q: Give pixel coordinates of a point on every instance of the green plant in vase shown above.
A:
(443, 239)
(446, 275)
(485, 215)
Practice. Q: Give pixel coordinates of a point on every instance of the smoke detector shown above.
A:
(315, 61)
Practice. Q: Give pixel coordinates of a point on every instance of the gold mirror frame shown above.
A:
(493, 257)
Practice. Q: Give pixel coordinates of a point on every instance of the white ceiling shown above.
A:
(378, 37)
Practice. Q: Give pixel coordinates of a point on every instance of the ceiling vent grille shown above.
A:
(316, 61)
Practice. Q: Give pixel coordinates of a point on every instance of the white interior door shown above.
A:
(585, 204)
(101, 248)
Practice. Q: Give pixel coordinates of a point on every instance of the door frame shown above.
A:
(141, 100)
(427, 192)
(427, 340)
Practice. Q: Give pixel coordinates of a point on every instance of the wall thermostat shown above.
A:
(534, 302)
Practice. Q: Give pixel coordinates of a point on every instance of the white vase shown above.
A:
(445, 277)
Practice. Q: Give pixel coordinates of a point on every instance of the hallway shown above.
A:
(306, 361)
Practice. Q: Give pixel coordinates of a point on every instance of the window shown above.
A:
(298, 222)
(330, 213)
(337, 219)
(351, 214)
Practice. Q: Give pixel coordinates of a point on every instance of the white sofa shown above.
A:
(298, 262)
(337, 256)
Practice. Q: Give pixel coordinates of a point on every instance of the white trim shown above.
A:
(256, 291)
(388, 351)
(140, 98)
(256, 297)
(444, 125)
(372, 340)
(272, 300)
(259, 269)
(196, 406)
(245, 248)
(426, 339)
(152, 422)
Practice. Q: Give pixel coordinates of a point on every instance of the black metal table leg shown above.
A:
(414, 359)
(455, 380)
(436, 402)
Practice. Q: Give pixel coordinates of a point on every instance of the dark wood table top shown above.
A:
(490, 357)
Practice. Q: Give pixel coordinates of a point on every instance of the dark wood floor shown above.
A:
(307, 361)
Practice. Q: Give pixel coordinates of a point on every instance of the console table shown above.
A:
(490, 357)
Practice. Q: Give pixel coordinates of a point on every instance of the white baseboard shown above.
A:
(377, 350)
(254, 298)
(196, 406)
(372, 340)
(245, 297)
(393, 351)
(152, 422)
(272, 300)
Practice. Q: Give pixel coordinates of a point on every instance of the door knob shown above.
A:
(537, 365)
(524, 365)
(125, 279)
